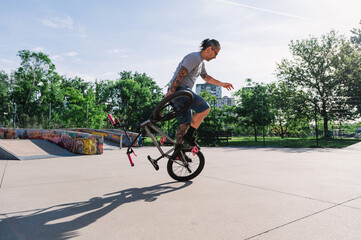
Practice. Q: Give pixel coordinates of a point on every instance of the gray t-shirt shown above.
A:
(194, 64)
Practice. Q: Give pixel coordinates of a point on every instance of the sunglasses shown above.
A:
(215, 52)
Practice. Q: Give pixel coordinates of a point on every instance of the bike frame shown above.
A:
(148, 124)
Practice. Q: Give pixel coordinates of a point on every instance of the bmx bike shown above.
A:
(189, 161)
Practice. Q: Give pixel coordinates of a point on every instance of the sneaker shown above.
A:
(177, 150)
(190, 140)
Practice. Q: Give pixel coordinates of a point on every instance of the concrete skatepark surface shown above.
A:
(242, 193)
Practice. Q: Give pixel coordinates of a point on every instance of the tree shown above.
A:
(356, 38)
(144, 81)
(34, 82)
(5, 112)
(80, 100)
(349, 69)
(134, 98)
(104, 94)
(74, 114)
(213, 121)
(96, 116)
(290, 107)
(313, 70)
(253, 107)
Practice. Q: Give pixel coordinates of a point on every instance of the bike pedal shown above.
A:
(153, 162)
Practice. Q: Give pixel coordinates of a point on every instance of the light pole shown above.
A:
(316, 127)
(14, 114)
(264, 143)
(87, 115)
(49, 114)
(214, 114)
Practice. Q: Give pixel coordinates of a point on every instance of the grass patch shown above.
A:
(276, 142)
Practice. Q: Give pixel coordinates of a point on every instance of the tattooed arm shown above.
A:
(179, 78)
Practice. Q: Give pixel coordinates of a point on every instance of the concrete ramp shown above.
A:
(27, 149)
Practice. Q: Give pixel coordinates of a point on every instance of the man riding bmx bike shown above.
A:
(187, 72)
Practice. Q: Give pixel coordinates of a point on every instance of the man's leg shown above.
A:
(182, 128)
(186, 132)
(196, 122)
(198, 118)
(181, 134)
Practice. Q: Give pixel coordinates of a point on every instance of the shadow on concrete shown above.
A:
(109, 145)
(51, 148)
(53, 222)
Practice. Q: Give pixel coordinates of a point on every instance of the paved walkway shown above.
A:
(242, 193)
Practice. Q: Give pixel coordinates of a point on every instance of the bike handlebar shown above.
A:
(111, 119)
(130, 160)
(117, 124)
(130, 151)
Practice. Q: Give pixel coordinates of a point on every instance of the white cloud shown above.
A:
(4, 46)
(81, 32)
(8, 61)
(109, 75)
(72, 74)
(262, 9)
(57, 22)
(56, 57)
(39, 49)
(71, 54)
(116, 51)
(64, 22)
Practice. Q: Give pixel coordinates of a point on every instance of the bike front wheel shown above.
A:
(180, 171)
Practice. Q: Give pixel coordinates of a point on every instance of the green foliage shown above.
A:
(45, 99)
(133, 97)
(144, 81)
(348, 68)
(34, 87)
(291, 108)
(5, 105)
(356, 37)
(316, 70)
(254, 107)
(74, 113)
(212, 122)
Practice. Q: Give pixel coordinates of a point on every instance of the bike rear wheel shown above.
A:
(179, 171)
(172, 106)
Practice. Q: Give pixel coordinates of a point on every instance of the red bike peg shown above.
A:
(162, 140)
(195, 150)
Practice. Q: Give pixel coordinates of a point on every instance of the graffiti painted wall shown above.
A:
(76, 142)
(114, 135)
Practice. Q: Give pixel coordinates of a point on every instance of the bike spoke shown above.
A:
(179, 167)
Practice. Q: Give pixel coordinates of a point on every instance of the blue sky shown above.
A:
(97, 39)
